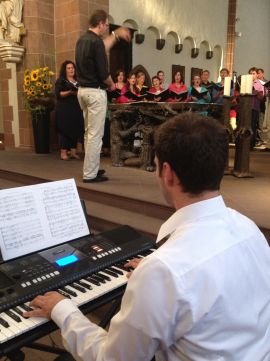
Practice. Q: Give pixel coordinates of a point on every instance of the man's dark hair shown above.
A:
(63, 72)
(225, 69)
(260, 69)
(205, 71)
(160, 71)
(97, 17)
(196, 147)
(155, 77)
(253, 69)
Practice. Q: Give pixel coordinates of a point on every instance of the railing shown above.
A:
(129, 120)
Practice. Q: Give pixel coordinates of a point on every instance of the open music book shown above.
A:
(198, 95)
(40, 216)
(217, 86)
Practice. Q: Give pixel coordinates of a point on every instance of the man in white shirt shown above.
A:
(205, 293)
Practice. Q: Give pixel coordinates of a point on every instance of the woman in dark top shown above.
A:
(69, 117)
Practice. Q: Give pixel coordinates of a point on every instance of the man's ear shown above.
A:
(167, 174)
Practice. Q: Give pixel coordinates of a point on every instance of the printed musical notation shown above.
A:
(63, 212)
(39, 216)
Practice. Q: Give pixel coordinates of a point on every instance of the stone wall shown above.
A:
(53, 27)
(191, 23)
(71, 21)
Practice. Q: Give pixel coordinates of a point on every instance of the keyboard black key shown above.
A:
(105, 277)
(78, 287)
(85, 285)
(116, 270)
(111, 273)
(99, 278)
(93, 281)
(70, 292)
(63, 293)
(17, 310)
(13, 316)
(26, 308)
(4, 323)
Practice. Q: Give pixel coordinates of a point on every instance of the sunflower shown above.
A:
(37, 89)
(34, 75)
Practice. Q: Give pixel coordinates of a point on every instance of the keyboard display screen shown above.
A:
(66, 260)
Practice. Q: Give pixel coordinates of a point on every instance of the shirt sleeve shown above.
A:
(138, 330)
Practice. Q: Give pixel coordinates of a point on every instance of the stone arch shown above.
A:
(140, 67)
(178, 45)
(206, 45)
(130, 23)
(157, 35)
(155, 31)
(206, 50)
(191, 41)
(194, 48)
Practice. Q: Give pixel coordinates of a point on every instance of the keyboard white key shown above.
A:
(7, 332)
(14, 326)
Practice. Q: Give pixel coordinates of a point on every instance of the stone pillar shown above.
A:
(230, 34)
(11, 54)
(39, 42)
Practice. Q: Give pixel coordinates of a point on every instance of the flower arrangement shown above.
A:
(37, 89)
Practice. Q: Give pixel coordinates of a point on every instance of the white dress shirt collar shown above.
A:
(190, 213)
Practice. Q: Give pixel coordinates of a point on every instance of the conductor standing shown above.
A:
(94, 78)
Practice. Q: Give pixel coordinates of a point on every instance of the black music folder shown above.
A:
(180, 96)
(217, 86)
(198, 95)
(113, 94)
(162, 95)
(135, 97)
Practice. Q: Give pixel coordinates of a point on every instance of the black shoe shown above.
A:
(101, 172)
(99, 178)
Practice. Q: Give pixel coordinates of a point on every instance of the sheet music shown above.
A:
(39, 216)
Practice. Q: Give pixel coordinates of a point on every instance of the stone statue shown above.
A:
(11, 27)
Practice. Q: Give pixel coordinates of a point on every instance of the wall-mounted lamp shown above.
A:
(139, 38)
(194, 52)
(178, 48)
(160, 44)
(209, 54)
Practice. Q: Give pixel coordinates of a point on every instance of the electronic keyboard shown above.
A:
(90, 271)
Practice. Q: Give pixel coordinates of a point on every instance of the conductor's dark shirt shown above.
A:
(91, 61)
